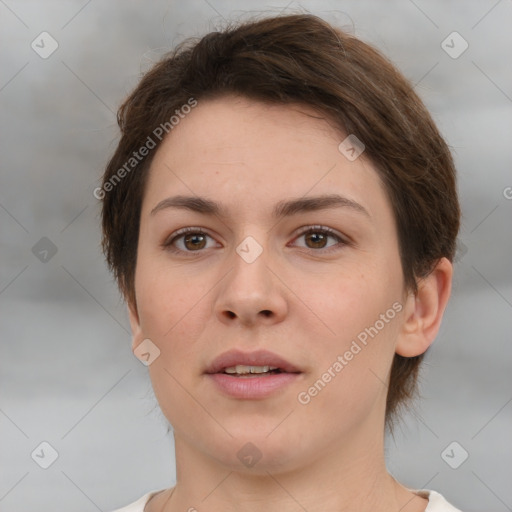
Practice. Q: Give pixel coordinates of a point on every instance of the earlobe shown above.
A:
(137, 335)
(424, 311)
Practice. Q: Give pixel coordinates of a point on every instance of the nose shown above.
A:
(251, 293)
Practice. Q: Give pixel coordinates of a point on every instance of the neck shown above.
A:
(343, 479)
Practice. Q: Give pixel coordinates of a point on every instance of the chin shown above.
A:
(258, 453)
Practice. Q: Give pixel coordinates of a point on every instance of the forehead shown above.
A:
(249, 153)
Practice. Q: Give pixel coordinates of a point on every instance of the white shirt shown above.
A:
(436, 503)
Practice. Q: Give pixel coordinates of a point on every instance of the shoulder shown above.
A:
(436, 502)
(138, 506)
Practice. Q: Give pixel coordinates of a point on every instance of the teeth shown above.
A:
(242, 369)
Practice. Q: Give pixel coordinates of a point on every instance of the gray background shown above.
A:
(68, 376)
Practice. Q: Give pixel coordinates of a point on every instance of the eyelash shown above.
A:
(168, 244)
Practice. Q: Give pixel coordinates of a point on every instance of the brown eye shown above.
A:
(316, 240)
(194, 241)
(189, 240)
(320, 238)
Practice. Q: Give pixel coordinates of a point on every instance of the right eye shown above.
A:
(188, 240)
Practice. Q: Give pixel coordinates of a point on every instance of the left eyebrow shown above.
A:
(310, 204)
(282, 209)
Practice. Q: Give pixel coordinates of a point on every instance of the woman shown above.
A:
(281, 216)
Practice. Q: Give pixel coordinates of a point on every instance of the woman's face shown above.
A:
(261, 273)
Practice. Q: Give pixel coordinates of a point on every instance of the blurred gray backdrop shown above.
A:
(68, 377)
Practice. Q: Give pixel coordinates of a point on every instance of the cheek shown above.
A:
(357, 316)
(348, 299)
(166, 300)
(346, 401)
(172, 314)
(352, 367)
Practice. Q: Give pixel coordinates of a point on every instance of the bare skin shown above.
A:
(306, 298)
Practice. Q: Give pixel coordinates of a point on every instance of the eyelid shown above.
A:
(317, 227)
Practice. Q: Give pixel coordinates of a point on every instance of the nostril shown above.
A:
(265, 312)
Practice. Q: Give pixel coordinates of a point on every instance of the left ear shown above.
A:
(424, 311)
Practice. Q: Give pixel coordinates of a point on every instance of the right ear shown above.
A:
(137, 334)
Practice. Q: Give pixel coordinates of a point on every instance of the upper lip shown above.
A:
(257, 358)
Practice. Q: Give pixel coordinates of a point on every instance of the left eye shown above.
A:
(318, 238)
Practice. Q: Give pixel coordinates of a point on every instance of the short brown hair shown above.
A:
(298, 59)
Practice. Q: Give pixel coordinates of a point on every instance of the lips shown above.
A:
(252, 386)
(258, 358)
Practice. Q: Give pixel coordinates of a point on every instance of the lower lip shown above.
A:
(252, 387)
